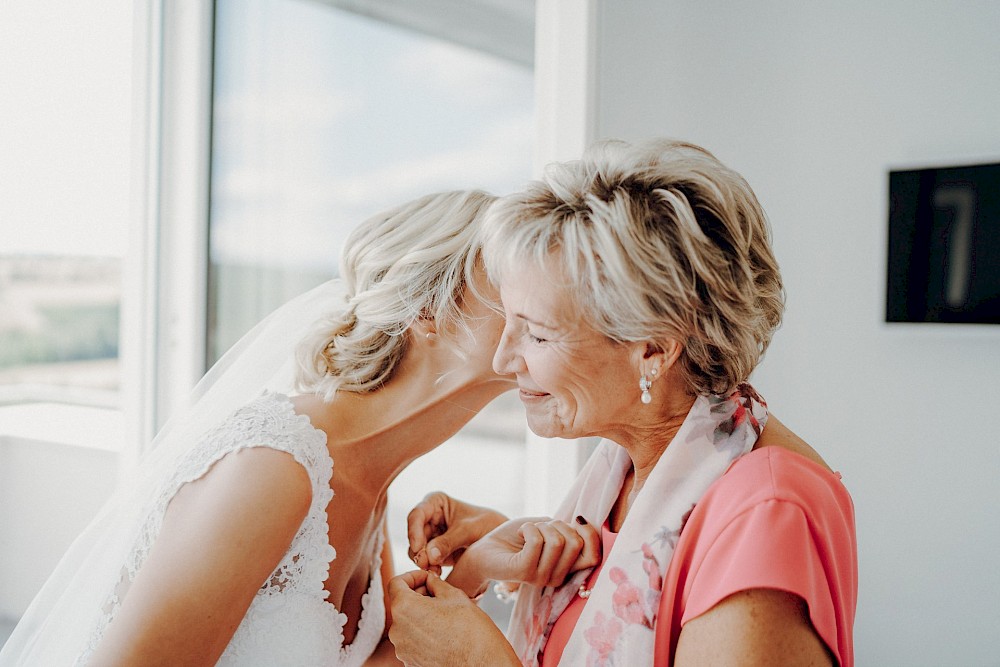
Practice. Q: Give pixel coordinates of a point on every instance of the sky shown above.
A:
(65, 72)
(322, 118)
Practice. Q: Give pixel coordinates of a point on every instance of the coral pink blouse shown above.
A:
(775, 519)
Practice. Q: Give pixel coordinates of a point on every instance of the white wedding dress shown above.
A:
(241, 402)
(289, 621)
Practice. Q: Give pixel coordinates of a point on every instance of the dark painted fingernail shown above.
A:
(580, 520)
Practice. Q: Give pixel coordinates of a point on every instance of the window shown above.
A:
(64, 198)
(65, 177)
(445, 101)
(322, 117)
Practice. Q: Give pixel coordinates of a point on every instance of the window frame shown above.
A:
(165, 275)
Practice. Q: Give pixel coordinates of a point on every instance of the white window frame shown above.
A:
(166, 271)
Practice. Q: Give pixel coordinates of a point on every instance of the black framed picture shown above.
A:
(944, 245)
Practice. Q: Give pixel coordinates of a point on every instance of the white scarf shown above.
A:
(617, 623)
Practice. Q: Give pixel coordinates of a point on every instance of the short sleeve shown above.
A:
(769, 545)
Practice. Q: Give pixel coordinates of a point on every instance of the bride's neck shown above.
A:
(373, 437)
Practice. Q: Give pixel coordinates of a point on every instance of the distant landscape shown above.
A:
(59, 320)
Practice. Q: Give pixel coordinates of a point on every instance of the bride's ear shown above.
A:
(424, 328)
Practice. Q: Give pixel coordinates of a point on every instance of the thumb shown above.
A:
(447, 544)
(439, 588)
(406, 582)
(439, 549)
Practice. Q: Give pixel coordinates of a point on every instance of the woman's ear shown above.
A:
(656, 359)
(424, 327)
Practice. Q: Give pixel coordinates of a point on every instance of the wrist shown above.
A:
(496, 518)
(466, 576)
(486, 522)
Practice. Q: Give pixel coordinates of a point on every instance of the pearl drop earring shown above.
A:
(644, 385)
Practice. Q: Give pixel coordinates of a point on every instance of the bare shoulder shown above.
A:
(265, 466)
(239, 518)
(222, 536)
(317, 410)
(256, 485)
(310, 405)
(776, 434)
(754, 627)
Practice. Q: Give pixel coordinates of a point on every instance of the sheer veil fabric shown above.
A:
(56, 628)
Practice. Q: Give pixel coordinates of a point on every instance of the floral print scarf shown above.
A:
(616, 626)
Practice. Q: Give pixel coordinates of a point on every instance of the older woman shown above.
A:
(640, 292)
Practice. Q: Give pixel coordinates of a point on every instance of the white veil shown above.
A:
(59, 623)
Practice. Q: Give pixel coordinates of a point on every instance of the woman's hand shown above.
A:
(441, 527)
(534, 550)
(436, 625)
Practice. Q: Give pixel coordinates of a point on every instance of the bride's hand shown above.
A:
(440, 528)
(534, 550)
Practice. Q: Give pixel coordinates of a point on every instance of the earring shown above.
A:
(430, 335)
(644, 385)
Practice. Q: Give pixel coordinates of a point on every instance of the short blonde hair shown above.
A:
(413, 261)
(660, 241)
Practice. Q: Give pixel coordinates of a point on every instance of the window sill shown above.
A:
(73, 425)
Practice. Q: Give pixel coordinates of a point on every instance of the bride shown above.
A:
(255, 531)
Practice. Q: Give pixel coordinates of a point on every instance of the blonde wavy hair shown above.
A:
(413, 261)
(660, 241)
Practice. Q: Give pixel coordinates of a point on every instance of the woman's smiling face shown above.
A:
(573, 380)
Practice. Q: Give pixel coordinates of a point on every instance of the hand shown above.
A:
(436, 625)
(441, 527)
(534, 550)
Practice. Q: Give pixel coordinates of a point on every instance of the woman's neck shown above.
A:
(645, 438)
(373, 437)
(648, 435)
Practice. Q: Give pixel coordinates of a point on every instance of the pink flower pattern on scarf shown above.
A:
(602, 637)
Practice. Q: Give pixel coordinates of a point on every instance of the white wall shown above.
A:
(814, 103)
(58, 465)
(49, 493)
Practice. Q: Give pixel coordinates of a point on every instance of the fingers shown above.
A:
(422, 582)
(445, 548)
(566, 547)
(560, 547)
(406, 593)
(439, 588)
(440, 528)
(425, 521)
(420, 521)
(554, 549)
(407, 582)
(525, 567)
(590, 555)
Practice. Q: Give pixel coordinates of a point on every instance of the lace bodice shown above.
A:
(289, 621)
